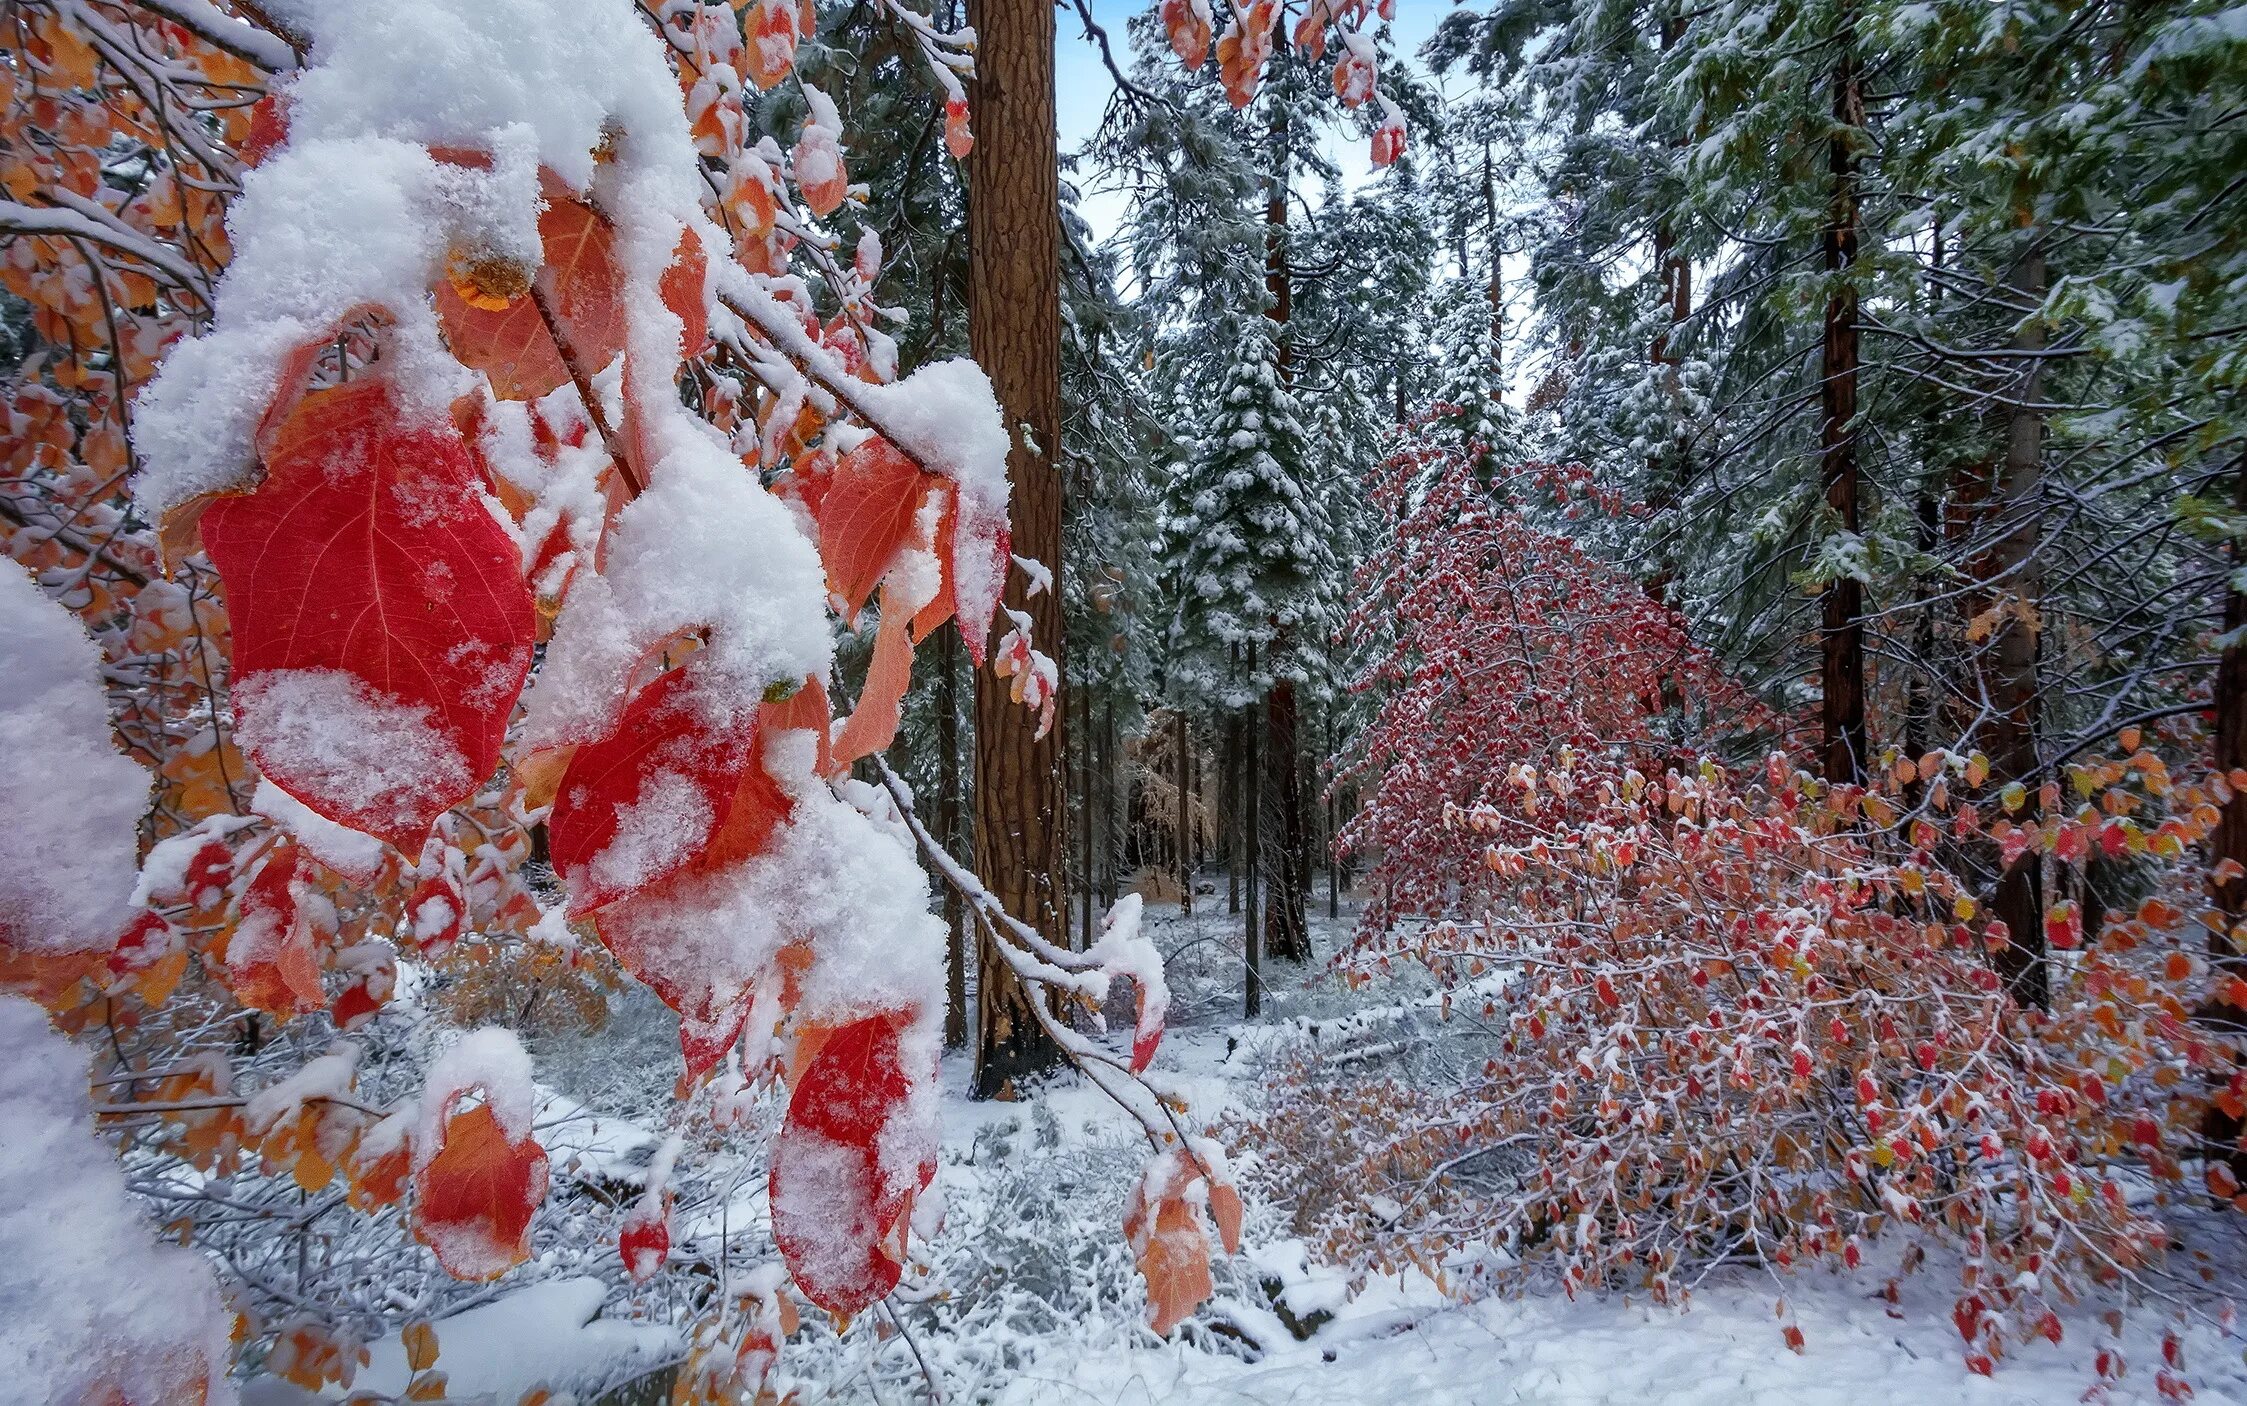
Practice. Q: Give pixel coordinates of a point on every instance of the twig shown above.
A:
(567, 350)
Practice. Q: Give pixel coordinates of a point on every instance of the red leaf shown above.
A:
(270, 963)
(475, 1194)
(710, 1014)
(434, 915)
(368, 992)
(147, 940)
(511, 345)
(839, 1204)
(644, 1242)
(269, 128)
(958, 138)
(865, 515)
(382, 628)
(1146, 1038)
(652, 797)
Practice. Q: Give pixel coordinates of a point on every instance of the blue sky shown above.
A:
(1082, 85)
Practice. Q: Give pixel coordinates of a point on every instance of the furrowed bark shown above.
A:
(1841, 605)
(1014, 332)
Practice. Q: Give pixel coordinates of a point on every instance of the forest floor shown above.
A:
(1032, 1299)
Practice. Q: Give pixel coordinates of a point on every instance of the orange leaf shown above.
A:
(681, 289)
(511, 345)
(475, 1194)
(872, 724)
(270, 962)
(1175, 1262)
(1225, 1209)
(1188, 28)
(806, 708)
(866, 514)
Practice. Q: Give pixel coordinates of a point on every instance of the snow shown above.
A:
(945, 415)
(361, 749)
(321, 229)
(327, 1076)
(91, 1305)
(830, 877)
(655, 833)
(490, 1060)
(73, 805)
(550, 1334)
(704, 548)
(354, 210)
(352, 853)
(593, 1146)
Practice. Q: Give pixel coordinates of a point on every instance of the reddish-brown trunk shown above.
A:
(1014, 331)
(1841, 604)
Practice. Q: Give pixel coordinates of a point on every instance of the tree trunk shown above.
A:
(948, 834)
(1285, 935)
(1087, 761)
(1229, 812)
(1180, 743)
(1105, 785)
(1286, 927)
(2219, 1129)
(1252, 785)
(1014, 332)
(1497, 290)
(1333, 821)
(1842, 602)
(2006, 608)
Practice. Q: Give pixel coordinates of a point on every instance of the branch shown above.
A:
(107, 230)
(268, 44)
(1042, 967)
(567, 350)
(72, 540)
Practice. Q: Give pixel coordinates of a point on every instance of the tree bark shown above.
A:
(2221, 1131)
(1285, 924)
(1252, 779)
(1229, 812)
(1087, 761)
(1180, 742)
(2006, 606)
(948, 834)
(1286, 928)
(1014, 333)
(1842, 602)
(1106, 786)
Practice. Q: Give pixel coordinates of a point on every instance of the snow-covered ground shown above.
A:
(1031, 1298)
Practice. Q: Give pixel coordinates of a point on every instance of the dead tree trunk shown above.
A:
(1014, 332)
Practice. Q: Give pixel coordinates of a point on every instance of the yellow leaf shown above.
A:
(421, 1345)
